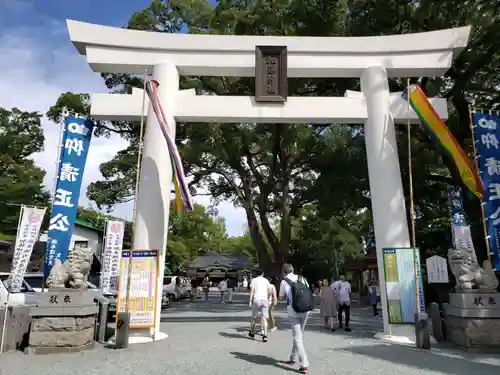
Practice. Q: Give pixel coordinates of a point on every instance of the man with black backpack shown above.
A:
(299, 299)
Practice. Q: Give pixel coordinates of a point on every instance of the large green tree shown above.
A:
(273, 170)
(267, 168)
(472, 80)
(21, 181)
(321, 246)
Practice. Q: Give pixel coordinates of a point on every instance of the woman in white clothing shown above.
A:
(273, 301)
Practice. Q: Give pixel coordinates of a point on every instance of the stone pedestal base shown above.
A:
(63, 327)
(473, 319)
(17, 324)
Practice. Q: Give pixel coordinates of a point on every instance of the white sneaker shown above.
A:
(273, 329)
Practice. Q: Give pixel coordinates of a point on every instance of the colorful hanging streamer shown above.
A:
(440, 132)
(183, 201)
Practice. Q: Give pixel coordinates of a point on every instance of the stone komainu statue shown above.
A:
(74, 272)
(468, 274)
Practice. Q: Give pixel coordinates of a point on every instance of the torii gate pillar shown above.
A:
(386, 188)
(153, 195)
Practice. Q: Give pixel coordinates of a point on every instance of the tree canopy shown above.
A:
(273, 171)
(21, 181)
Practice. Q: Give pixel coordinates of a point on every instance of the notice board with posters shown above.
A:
(143, 287)
(401, 283)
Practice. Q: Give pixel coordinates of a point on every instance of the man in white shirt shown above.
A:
(335, 286)
(297, 320)
(259, 302)
(343, 289)
(223, 289)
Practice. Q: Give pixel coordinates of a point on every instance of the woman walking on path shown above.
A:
(328, 307)
(273, 301)
(372, 292)
(206, 286)
(318, 290)
(231, 286)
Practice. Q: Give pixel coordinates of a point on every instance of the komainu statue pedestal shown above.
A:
(63, 322)
(473, 319)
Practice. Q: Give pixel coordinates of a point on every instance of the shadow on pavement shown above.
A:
(202, 319)
(213, 305)
(235, 335)
(363, 325)
(430, 360)
(263, 360)
(242, 329)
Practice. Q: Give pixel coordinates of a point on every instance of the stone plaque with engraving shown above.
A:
(271, 74)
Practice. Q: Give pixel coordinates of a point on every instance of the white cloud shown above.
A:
(36, 66)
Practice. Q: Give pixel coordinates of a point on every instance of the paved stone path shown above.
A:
(210, 338)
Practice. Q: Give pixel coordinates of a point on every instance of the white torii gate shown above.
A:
(168, 56)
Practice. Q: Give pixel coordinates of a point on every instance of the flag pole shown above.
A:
(62, 130)
(412, 202)
(134, 212)
(481, 200)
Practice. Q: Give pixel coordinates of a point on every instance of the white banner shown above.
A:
(110, 259)
(463, 240)
(27, 236)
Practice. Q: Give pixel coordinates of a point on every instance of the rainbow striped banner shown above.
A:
(440, 132)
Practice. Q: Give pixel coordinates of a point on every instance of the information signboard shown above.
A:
(143, 287)
(401, 284)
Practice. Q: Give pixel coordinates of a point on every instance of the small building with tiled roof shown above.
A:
(217, 266)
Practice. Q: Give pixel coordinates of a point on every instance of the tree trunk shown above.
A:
(256, 235)
(282, 249)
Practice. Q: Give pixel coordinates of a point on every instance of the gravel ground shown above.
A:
(210, 338)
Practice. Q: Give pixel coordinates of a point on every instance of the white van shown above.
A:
(169, 287)
(36, 280)
(27, 295)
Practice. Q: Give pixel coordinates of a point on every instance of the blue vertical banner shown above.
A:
(488, 153)
(74, 149)
(458, 218)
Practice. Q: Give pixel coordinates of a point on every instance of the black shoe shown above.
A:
(347, 329)
(251, 334)
(303, 370)
(333, 329)
(264, 338)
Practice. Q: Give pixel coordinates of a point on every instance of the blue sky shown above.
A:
(38, 63)
(107, 12)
